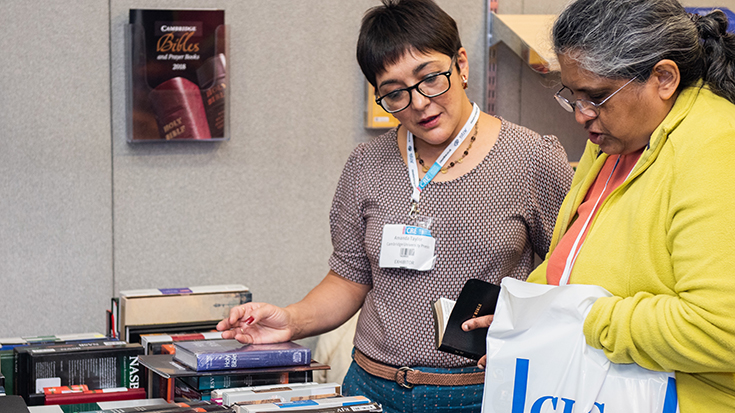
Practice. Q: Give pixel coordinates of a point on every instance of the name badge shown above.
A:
(407, 246)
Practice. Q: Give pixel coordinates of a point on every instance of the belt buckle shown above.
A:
(405, 384)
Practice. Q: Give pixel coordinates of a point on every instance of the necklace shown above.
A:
(445, 169)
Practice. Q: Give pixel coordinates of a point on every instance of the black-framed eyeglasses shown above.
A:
(431, 86)
(586, 107)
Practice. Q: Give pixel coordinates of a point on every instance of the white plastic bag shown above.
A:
(538, 360)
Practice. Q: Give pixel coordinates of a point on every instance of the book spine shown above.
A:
(132, 375)
(21, 371)
(6, 367)
(253, 359)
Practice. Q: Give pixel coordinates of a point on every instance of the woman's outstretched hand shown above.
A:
(257, 323)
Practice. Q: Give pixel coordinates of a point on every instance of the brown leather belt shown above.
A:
(407, 377)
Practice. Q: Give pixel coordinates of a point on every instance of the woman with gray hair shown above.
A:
(650, 216)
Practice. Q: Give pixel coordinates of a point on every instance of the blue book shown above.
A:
(206, 355)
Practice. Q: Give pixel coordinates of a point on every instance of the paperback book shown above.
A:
(477, 298)
(206, 355)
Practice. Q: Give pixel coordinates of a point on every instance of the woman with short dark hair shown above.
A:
(451, 194)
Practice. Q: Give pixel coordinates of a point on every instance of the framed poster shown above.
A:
(177, 84)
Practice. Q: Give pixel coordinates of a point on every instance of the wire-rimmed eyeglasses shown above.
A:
(431, 86)
(586, 107)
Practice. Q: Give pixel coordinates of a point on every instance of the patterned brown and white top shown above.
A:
(489, 222)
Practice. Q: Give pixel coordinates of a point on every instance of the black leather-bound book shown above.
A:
(477, 298)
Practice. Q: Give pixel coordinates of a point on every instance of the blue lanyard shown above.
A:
(413, 171)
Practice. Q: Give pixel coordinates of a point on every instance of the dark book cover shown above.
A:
(228, 381)
(7, 355)
(477, 298)
(205, 355)
(99, 365)
(12, 404)
(178, 77)
(184, 392)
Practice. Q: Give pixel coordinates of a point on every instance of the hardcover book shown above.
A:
(177, 307)
(177, 77)
(99, 365)
(206, 355)
(477, 298)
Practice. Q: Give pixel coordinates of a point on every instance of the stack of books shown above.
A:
(197, 369)
(172, 310)
(311, 397)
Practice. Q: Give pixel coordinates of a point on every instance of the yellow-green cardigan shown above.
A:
(663, 243)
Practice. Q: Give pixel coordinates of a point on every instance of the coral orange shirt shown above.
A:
(612, 175)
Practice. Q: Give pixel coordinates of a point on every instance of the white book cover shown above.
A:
(284, 393)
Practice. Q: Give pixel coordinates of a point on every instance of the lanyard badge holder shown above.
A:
(407, 240)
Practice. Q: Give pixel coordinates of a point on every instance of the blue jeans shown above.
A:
(421, 398)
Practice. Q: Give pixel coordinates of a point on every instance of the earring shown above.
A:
(464, 82)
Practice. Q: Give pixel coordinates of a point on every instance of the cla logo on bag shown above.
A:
(520, 387)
